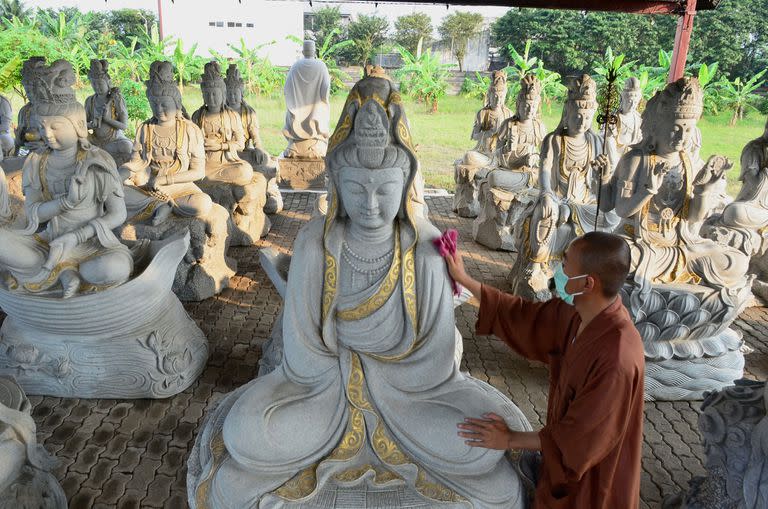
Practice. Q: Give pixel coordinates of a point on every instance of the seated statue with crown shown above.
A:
(162, 194)
(229, 181)
(626, 132)
(77, 298)
(358, 414)
(28, 137)
(472, 169)
(512, 183)
(684, 290)
(571, 170)
(253, 152)
(107, 114)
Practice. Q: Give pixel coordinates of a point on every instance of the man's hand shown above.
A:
(490, 432)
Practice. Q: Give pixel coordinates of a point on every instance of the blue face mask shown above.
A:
(561, 279)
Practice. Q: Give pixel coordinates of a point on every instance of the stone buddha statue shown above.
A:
(7, 139)
(223, 134)
(73, 200)
(572, 163)
(254, 152)
(107, 114)
(626, 131)
(684, 290)
(308, 106)
(357, 411)
(27, 136)
(511, 183)
(168, 157)
(470, 170)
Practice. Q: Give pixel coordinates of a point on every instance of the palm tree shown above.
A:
(186, 63)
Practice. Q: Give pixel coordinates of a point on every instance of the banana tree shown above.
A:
(522, 64)
(738, 95)
(706, 75)
(151, 47)
(423, 76)
(257, 71)
(72, 38)
(187, 63)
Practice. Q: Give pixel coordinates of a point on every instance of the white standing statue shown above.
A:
(626, 131)
(87, 317)
(684, 290)
(26, 480)
(362, 410)
(7, 140)
(472, 169)
(512, 183)
(107, 114)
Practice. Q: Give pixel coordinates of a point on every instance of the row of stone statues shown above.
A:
(691, 248)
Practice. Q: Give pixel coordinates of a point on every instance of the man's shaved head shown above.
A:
(605, 256)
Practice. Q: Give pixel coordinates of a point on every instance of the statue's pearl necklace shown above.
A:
(377, 265)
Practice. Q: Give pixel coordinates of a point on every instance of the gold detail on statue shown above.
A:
(436, 491)
(353, 439)
(218, 449)
(299, 486)
(381, 475)
(52, 277)
(341, 132)
(329, 283)
(356, 384)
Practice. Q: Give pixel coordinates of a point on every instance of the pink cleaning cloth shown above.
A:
(447, 244)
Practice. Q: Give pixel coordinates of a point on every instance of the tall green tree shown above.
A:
(459, 27)
(10, 9)
(327, 21)
(128, 23)
(369, 33)
(412, 28)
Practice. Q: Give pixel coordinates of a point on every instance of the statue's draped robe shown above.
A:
(592, 441)
(307, 100)
(361, 394)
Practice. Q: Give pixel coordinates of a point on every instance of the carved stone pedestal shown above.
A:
(502, 213)
(245, 205)
(132, 341)
(205, 269)
(298, 173)
(271, 171)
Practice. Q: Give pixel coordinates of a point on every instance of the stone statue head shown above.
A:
(61, 119)
(213, 86)
(371, 161)
(631, 95)
(580, 106)
(98, 74)
(309, 49)
(162, 92)
(497, 91)
(529, 98)
(234, 86)
(28, 74)
(669, 119)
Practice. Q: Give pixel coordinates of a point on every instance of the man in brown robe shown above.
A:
(592, 442)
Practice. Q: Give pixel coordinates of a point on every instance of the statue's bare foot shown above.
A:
(70, 282)
(161, 214)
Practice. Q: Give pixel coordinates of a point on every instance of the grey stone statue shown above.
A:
(358, 414)
(684, 290)
(734, 427)
(26, 480)
(626, 131)
(512, 183)
(472, 169)
(107, 114)
(27, 136)
(7, 139)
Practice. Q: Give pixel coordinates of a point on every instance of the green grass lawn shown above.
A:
(444, 136)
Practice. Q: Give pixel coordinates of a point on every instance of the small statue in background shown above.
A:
(470, 170)
(27, 135)
(626, 131)
(7, 140)
(107, 114)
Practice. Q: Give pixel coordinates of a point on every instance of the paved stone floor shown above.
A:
(130, 454)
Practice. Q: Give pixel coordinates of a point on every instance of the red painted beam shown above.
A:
(682, 42)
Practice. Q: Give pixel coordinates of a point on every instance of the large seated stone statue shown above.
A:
(162, 196)
(26, 480)
(229, 180)
(572, 165)
(472, 169)
(626, 131)
(107, 114)
(307, 121)
(512, 183)
(734, 426)
(684, 290)
(27, 136)
(359, 414)
(254, 152)
(7, 139)
(87, 317)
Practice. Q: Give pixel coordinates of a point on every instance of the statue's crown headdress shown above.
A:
(212, 77)
(29, 70)
(499, 79)
(683, 99)
(161, 82)
(233, 79)
(99, 69)
(530, 87)
(54, 83)
(632, 84)
(582, 90)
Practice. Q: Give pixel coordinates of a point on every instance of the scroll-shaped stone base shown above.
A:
(132, 341)
(245, 205)
(502, 213)
(25, 477)
(298, 173)
(466, 196)
(759, 267)
(205, 269)
(271, 171)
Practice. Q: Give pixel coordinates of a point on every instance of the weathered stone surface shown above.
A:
(206, 268)
(296, 173)
(245, 205)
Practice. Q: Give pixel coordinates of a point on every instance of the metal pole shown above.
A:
(682, 42)
(160, 19)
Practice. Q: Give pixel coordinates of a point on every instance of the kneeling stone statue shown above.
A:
(358, 413)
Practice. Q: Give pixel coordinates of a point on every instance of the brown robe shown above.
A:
(592, 442)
